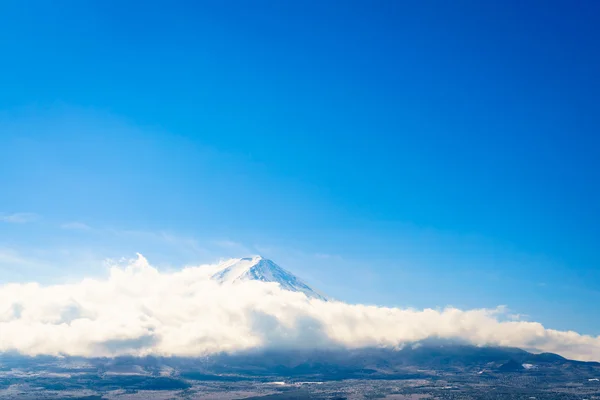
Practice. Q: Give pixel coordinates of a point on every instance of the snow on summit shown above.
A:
(258, 268)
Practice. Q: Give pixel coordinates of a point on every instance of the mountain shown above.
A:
(511, 366)
(260, 269)
(439, 371)
(411, 362)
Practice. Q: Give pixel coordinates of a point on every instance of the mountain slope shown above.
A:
(260, 269)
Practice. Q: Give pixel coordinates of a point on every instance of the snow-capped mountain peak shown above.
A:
(258, 268)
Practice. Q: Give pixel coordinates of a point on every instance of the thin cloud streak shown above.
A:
(76, 226)
(18, 218)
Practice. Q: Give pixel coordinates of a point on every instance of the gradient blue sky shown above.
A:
(392, 152)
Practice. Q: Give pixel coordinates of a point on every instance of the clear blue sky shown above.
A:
(393, 152)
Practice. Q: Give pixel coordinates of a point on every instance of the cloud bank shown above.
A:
(138, 310)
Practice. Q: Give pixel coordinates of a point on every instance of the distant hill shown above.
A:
(462, 369)
(433, 358)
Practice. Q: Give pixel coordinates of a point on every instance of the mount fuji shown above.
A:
(261, 269)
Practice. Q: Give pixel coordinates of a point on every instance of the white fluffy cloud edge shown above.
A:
(139, 310)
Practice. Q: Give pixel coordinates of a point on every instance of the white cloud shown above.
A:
(18, 218)
(139, 310)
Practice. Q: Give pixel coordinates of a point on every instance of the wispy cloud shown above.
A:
(76, 226)
(42, 265)
(10, 256)
(18, 218)
(233, 248)
(325, 256)
(226, 243)
(188, 314)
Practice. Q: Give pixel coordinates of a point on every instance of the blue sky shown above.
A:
(399, 153)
